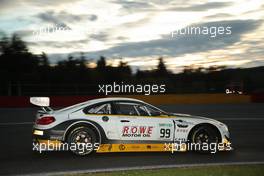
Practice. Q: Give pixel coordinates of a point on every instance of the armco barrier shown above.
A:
(62, 101)
(193, 98)
(55, 101)
(257, 97)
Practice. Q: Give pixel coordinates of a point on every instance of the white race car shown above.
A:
(124, 125)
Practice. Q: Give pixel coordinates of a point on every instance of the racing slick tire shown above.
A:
(82, 141)
(205, 135)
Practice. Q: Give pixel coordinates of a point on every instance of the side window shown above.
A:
(99, 109)
(131, 108)
(154, 111)
(142, 110)
(124, 108)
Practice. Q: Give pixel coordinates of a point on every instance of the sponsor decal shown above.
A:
(122, 147)
(137, 131)
(110, 147)
(165, 125)
(135, 147)
(105, 118)
(182, 130)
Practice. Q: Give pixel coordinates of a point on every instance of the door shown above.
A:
(136, 122)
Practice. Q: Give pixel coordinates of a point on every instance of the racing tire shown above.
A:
(207, 138)
(81, 141)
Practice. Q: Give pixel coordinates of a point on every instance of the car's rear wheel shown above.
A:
(82, 141)
(206, 139)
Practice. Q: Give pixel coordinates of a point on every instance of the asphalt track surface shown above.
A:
(245, 121)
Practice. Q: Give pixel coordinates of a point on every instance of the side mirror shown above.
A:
(40, 101)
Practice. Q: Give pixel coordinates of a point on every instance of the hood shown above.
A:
(194, 117)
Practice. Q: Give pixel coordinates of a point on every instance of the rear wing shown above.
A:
(42, 102)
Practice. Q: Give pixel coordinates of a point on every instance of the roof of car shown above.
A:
(113, 99)
(98, 100)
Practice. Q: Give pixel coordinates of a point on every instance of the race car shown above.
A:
(124, 125)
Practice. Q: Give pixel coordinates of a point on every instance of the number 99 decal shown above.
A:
(164, 133)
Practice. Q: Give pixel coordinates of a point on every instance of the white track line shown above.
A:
(145, 168)
(16, 123)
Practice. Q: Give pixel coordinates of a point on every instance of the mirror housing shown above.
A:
(40, 101)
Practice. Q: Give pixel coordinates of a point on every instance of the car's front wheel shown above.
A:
(82, 141)
(205, 139)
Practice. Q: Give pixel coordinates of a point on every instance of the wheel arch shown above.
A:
(204, 124)
(94, 126)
